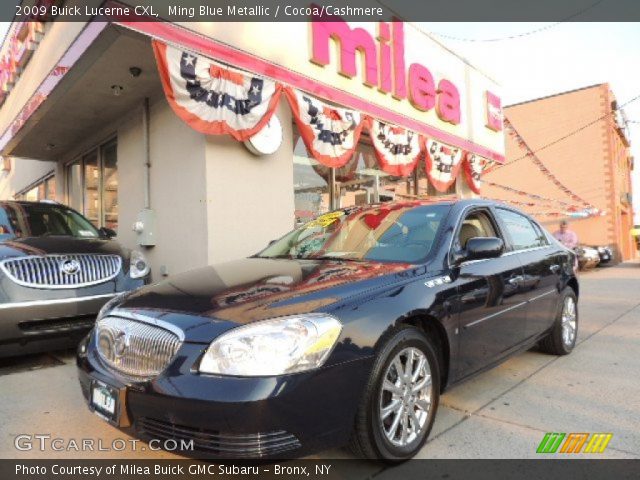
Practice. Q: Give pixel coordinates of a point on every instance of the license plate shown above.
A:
(104, 400)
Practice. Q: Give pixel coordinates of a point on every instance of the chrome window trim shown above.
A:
(57, 301)
(22, 283)
(130, 315)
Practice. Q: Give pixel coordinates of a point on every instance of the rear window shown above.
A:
(42, 220)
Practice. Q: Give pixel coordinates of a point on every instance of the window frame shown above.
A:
(536, 228)
(79, 159)
(497, 226)
(42, 181)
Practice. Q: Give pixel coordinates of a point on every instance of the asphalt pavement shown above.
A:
(502, 413)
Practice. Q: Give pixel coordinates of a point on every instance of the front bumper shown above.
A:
(236, 417)
(35, 324)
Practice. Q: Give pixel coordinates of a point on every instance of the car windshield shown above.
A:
(42, 220)
(393, 233)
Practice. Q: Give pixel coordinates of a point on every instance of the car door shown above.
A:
(490, 301)
(542, 265)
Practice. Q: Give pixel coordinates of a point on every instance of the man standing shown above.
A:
(565, 236)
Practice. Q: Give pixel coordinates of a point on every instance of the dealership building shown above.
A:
(201, 142)
(592, 165)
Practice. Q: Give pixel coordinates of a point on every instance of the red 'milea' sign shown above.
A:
(384, 66)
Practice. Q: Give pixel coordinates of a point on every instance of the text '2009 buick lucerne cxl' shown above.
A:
(344, 331)
(56, 271)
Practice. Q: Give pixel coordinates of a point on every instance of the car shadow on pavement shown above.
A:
(26, 363)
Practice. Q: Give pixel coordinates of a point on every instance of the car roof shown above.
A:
(448, 201)
(27, 202)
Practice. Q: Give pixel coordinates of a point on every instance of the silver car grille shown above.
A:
(135, 349)
(62, 271)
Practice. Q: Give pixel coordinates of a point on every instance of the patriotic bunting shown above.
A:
(397, 149)
(330, 133)
(214, 99)
(474, 166)
(443, 164)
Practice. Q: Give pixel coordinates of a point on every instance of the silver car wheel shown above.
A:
(569, 318)
(405, 397)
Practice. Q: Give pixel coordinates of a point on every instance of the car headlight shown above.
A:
(139, 267)
(273, 347)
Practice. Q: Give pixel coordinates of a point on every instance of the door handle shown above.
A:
(555, 268)
(516, 280)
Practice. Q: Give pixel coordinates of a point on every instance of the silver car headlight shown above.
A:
(273, 347)
(138, 267)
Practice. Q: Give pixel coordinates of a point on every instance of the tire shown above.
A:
(562, 337)
(369, 439)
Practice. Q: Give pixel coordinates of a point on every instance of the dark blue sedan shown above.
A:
(343, 332)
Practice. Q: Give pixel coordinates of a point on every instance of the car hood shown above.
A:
(20, 247)
(205, 302)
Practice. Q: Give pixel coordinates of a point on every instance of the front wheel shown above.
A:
(400, 402)
(564, 333)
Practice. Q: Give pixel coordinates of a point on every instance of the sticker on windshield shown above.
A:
(325, 220)
(86, 233)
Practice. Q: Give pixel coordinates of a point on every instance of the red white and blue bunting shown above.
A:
(474, 166)
(212, 98)
(215, 99)
(397, 149)
(330, 134)
(443, 164)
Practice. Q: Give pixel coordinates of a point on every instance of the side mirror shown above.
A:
(479, 248)
(107, 232)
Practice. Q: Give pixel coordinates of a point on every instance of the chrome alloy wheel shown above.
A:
(405, 397)
(569, 318)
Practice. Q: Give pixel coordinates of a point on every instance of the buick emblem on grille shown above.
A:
(70, 266)
(121, 343)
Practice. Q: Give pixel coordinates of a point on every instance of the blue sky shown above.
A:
(557, 58)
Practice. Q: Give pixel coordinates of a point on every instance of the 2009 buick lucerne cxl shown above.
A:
(344, 331)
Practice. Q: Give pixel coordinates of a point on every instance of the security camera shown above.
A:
(135, 71)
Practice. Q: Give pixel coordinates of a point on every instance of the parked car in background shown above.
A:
(56, 271)
(588, 257)
(605, 253)
(344, 331)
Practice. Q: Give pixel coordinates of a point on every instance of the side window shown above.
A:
(523, 233)
(475, 224)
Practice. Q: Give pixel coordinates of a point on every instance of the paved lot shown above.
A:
(502, 413)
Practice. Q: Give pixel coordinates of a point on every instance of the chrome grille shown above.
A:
(135, 349)
(62, 271)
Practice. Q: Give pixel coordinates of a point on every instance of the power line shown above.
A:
(519, 35)
(568, 135)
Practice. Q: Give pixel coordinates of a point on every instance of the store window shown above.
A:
(311, 184)
(319, 189)
(44, 189)
(92, 185)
